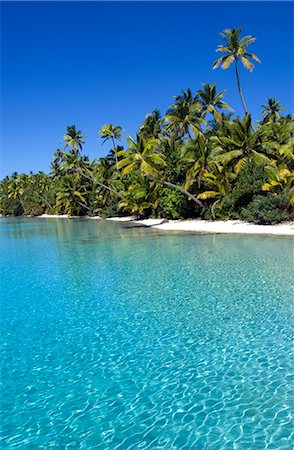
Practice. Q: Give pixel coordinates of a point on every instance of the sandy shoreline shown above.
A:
(195, 226)
(217, 227)
(227, 227)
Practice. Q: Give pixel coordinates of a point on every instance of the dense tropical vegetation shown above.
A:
(197, 160)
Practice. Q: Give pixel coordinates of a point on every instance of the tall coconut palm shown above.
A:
(235, 49)
(211, 101)
(271, 111)
(145, 155)
(73, 138)
(111, 132)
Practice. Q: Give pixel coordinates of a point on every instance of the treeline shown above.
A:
(195, 161)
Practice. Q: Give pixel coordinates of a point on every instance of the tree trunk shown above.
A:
(42, 198)
(178, 188)
(239, 87)
(30, 189)
(84, 206)
(101, 184)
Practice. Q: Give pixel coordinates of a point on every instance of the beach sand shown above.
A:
(228, 226)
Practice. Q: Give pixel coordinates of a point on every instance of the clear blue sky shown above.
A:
(93, 63)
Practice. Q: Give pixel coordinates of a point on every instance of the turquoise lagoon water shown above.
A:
(128, 338)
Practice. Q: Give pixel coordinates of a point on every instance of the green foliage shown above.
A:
(111, 209)
(193, 161)
(248, 184)
(267, 210)
(175, 205)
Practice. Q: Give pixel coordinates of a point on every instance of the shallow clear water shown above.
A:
(128, 338)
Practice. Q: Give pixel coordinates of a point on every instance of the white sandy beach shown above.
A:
(121, 219)
(205, 226)
(229, 227)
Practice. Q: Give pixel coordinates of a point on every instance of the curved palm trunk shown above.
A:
(101, 184)
(42, 198)
(27, 188)
(178, 188)
(239, 87)
(84, 206)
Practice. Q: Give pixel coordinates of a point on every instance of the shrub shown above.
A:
(111, 209)
(175, 205)
(248, 184)
(266, 210)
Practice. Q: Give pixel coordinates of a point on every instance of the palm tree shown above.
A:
(72, 197)
(218, 185)
(88, 173)
(279, 141)
(241, 144)
(271, 111)
(145, 155)
(23, 187)
(55, 165)
(278, 177)
(141, 197)
(235, 49)
(80, 166)
(15, 187)
(39, 184)
(74, 138)
(211, 101)
(199, 156)
(111, 132)
(151, 127)
(184, 115)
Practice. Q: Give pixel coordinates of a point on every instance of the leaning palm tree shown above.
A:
(82, 168)
(211, 101)
(74, 138)
(271, 111)
(235, 49)
(111, 132)
(145, 155)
